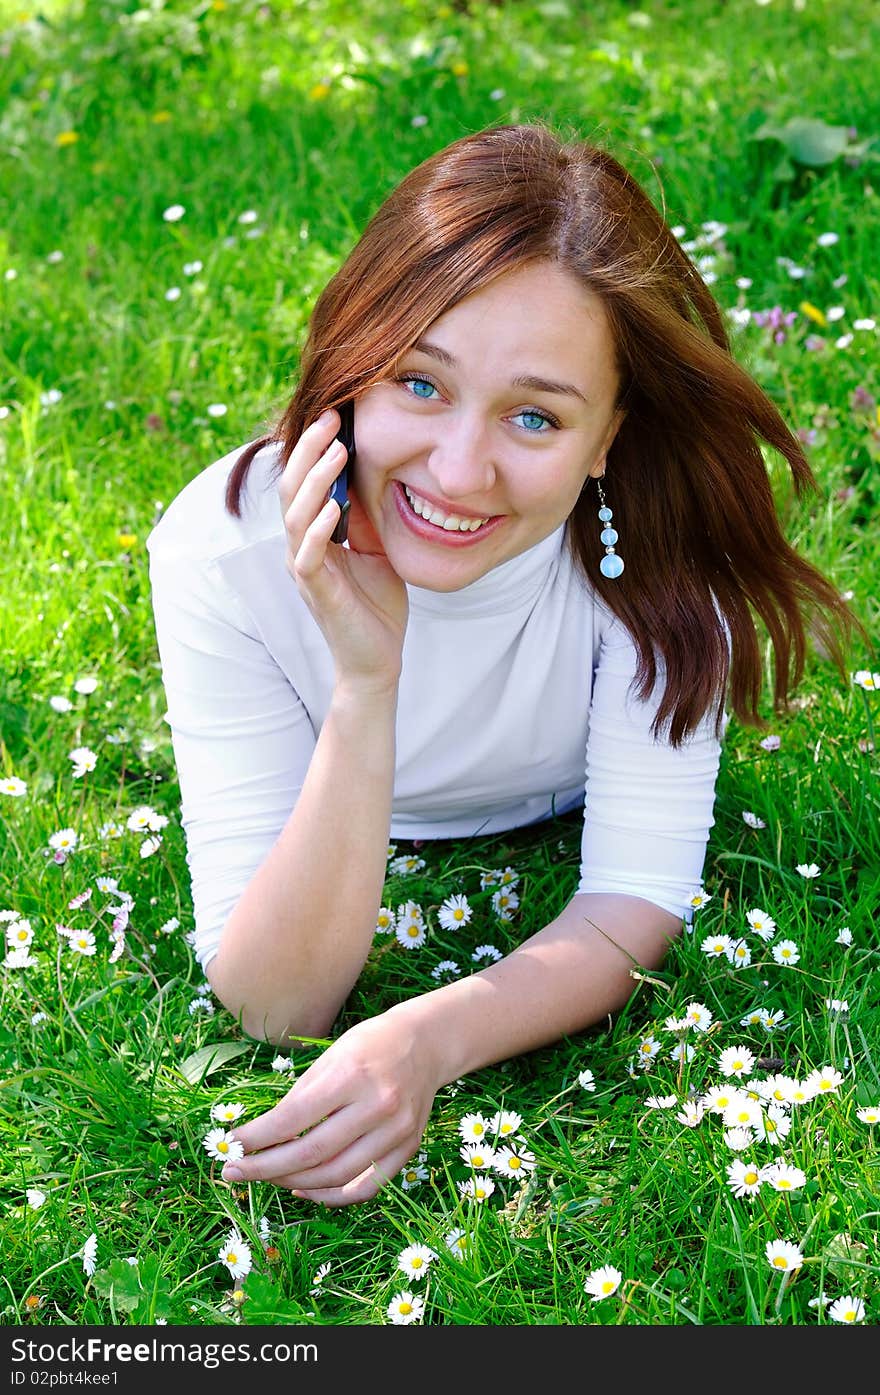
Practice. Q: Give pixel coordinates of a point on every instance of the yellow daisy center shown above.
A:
(231, 1257)
(405, 1308)
(222, 1146)
(751, 1178)
(608, 1286)
(458, 914)
(461, 1242)
(416, 1262)
(514, 1162)
(412, 931)
(479, 1193)
(780, 1262)
(783, 1184)
(849, 1315)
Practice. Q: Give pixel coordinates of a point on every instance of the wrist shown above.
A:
(441, 1022)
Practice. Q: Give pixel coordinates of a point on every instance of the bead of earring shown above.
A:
(611, 564)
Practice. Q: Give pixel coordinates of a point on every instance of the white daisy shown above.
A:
(457, 1241)
(477, 1155)
(661, 1102)
(786, 952)
(413, 1174)
(513, 1162)
(405, 1308)
(783, 1177)
(698, 899)
(716, 945)
(385, 921)
(35, 1198)
(586, 1080)
(504, 903)
(505, 1123)
(783, 1255)
(736, 1060)
(473, 1127)
(82, 942)
(844, 936)
(411, 934)
(414, 1260)
(824, 1080)
(454, 912)
(235, 1253)
(226, 1113)
(488, 952)
(691, 1114)
(447, 968)
(744, 1179)
(602, 1283)
(869, 1115)
(89, 1255)
(739, 954)
(220, 1144)
(761, 923)
(847, 1309)
(480, 1188)
(807, 869)
(698, 1017)
(738, 1139)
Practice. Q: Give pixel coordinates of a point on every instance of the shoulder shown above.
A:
(197, 524)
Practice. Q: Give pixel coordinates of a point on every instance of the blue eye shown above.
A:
(417, 380)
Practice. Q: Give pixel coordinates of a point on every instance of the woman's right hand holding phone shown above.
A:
(355, 595)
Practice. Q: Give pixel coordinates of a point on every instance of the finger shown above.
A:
(311, 1149)
(306, 1104)
(312, 493)
(311, 555)
(311, 445)
(346, 1166)
(362, 1188)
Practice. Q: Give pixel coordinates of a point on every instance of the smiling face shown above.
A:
(474, 443)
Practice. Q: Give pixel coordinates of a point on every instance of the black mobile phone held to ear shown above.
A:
(339, 492)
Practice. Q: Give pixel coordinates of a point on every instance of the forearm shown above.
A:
(300, 933)
(561, 980)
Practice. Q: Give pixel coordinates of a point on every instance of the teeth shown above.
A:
(451, 524)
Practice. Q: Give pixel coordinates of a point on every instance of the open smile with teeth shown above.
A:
(451, 523)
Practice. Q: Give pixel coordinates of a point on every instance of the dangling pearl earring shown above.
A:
(611, 565)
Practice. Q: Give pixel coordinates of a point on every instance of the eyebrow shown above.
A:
(524, 380)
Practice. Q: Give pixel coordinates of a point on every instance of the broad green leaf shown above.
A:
(207, 1059)
(121, 1281)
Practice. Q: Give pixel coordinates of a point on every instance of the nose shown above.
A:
(461, 459)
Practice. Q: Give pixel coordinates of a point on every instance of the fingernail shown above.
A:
(231, 1174)
(326, 416)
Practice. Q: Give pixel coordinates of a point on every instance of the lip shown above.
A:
(431, 533)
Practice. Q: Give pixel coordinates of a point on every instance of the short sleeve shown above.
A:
(647, 807)
(241, 735)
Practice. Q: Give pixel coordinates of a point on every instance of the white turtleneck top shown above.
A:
(513, 706)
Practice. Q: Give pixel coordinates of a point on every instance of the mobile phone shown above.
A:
(339, 492)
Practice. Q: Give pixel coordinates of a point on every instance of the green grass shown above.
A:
(304, 113)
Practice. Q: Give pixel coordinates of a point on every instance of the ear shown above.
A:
(597, 469)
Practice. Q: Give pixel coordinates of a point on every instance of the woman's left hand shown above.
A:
(351, 1121)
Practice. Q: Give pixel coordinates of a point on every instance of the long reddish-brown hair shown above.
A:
(685, 476)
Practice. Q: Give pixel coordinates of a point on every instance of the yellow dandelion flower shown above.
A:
(812, 312)
(159, 117)
(126, 539)
(319, 91)
(218, 4)
(460, 69)
(66, 138)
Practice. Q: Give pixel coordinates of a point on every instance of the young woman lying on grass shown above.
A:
(559, 525)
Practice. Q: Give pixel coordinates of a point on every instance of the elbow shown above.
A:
(281, 1022)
